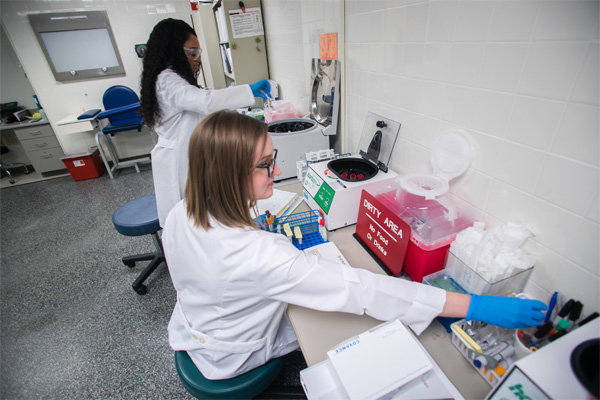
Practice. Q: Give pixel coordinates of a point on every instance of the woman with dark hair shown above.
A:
(234, 281)
(172, 103)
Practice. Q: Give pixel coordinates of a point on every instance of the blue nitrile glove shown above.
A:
(507, 312)
(261, 89)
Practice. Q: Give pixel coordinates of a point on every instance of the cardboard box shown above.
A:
(84, 166)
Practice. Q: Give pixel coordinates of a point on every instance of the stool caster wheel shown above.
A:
(142, 289)
(130, 264)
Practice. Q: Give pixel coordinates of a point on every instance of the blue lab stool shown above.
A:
(246, 386)
(139, 217)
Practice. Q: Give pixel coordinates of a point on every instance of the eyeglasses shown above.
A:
(270, 166)
(193, 52)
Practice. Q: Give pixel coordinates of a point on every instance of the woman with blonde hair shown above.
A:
(234, 280)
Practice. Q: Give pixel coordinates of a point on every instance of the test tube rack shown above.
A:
(307, 221)
(464, 346)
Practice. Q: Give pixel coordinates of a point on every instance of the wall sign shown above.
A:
(246, 23)
(384, 233)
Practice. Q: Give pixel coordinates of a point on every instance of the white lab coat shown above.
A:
(182, 107)
(233, 287)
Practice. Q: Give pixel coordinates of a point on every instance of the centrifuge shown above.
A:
(335, 187)
(295, 137)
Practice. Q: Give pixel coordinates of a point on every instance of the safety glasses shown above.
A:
(192, 52)
(270, 166)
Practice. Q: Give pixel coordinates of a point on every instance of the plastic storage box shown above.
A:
(472, 282)
(86, 165)
(279, 109)
(433, 228)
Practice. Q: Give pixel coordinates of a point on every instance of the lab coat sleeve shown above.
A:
(185, 97)
(310, 281)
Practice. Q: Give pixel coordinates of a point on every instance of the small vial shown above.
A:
(322, 229)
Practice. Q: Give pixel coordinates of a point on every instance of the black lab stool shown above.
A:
(139, 217)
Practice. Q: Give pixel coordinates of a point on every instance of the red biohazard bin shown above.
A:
(84, 166)
(431, 231)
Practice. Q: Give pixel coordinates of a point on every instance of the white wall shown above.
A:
(131, 22)
(520, 77)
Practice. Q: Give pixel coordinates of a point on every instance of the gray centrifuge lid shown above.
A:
(324, 90)
(378, 139)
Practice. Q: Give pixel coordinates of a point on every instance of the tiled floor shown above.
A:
(71, 325)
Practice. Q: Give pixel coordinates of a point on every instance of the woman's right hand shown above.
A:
(261, 89)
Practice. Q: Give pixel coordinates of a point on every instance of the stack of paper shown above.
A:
(280, 204)
(378, 362)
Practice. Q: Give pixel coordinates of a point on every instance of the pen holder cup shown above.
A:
(521, 349)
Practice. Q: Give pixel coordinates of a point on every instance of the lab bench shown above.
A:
(319, 331)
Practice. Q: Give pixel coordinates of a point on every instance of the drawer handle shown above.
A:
(47, 156)
(35, 133)
(44, 144)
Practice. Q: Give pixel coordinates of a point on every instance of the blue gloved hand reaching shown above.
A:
(261, 89)
(507, 312)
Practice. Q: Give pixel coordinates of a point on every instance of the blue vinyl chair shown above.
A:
(121, 106)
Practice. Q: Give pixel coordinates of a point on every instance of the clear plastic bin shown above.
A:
(472, 282)
(279, 109)
(434, 225)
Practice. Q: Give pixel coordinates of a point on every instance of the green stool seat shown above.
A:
(245, 386)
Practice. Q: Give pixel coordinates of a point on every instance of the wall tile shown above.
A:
(568, 184)
(534, 122)
(551, 225)
(436, 59)
(409, 93)
(551, 69)
(466, 63)
(486, 151)
(577, 135)
(502, 66)
(566, 20)
(459, 105)
(442, 17)
(507, 203)
(394, 22)
(513, 20)
(547, 264)
(584, 246)
(392, 59)
(586, 86)
(473, 21)
(593, 212)
(416, 23)
(412, 60)
(434, 99)
(492, 112)
(472, 187)
(519, 166)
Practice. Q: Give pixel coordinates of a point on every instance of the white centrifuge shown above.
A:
(335, 187)
(295, 137)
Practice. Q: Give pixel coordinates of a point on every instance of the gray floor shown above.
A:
(71, 325)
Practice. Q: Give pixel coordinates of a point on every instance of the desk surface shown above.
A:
(319, 331)
(22, 124)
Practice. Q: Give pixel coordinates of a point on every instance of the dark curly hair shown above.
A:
(164, 50)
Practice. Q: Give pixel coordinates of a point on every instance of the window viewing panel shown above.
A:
(78, 45)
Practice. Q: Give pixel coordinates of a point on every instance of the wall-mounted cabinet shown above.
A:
(242, 46)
